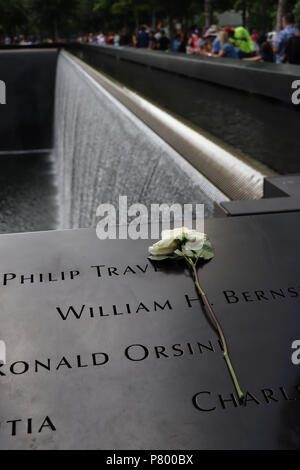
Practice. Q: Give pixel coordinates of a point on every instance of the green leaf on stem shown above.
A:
(206, 252)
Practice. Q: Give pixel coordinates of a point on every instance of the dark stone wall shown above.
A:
(26, 120)
(265, 79)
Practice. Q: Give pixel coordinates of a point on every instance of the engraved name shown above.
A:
(14, 427)
(207, 401)
(99, 271)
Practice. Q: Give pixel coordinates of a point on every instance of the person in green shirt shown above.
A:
(242, 40)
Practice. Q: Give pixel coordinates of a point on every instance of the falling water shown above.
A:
(103, 151)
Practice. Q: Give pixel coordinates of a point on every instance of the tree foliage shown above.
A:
(61, 18)
(297, 12)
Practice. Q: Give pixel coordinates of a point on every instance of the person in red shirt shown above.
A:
(254, 36)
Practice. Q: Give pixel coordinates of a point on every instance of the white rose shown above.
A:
(176, 234)
(163, 247)
(170, 241)
(195, 240)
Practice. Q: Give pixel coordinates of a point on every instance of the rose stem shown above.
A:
(219, 328)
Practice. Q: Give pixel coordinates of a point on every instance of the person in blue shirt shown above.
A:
(143, 38)
(289, 30)
(226, 48)
(216, 46)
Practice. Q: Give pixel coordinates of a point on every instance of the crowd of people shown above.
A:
(215, 41)
(22, 40)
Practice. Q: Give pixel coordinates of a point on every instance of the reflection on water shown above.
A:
(261, 128)
(27, 193)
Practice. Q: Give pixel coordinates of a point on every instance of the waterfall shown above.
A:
(104, 151)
